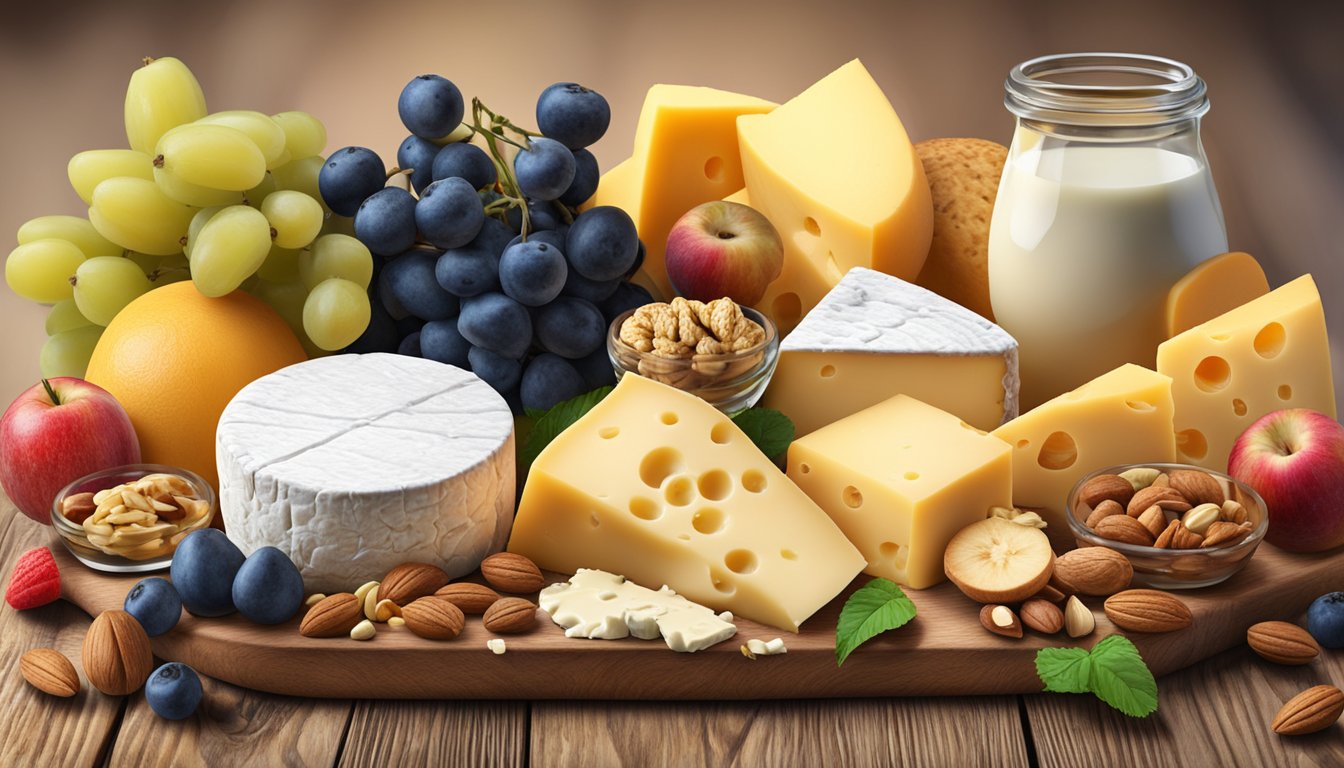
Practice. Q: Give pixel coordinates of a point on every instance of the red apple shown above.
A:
(1294, 458)
(55, 433)
(722, 249)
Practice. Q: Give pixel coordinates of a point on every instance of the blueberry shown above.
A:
(385, 222)
(410, 279)
(596, 369)
(268, 588)
(580, 287)
(466, 161)
(381, 334)
(533, 272)
(496, 322)
(502, 373)
(586, 176)
(602, 243)
(627, 296)
(440, 341)
(1325, 620)
(548, 380)
(202, 572)
(449, 213)
(430, 106)
(417, 155)
(544, 170)
(173, 691)
(348, 177)
(468, 271)
(410, 344)
(154, 603)
(573, 115)
(570, 327)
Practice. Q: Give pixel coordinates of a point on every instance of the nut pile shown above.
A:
(1186, 509)
(686, 330)
(139, 520)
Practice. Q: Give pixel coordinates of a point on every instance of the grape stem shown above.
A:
(508, 183)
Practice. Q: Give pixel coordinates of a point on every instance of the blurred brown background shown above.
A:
(1275, 135)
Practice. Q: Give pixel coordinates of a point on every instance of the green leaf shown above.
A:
(874, 608)
(1065, 670)
(1121, 679)
(769, 429)
(559, 418)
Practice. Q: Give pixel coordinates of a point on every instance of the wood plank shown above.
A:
(856, 732)
(437, 733)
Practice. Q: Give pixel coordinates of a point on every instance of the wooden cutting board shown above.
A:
(944, 651)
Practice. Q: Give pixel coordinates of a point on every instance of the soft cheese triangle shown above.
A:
(875, 336)
(353, 464)
(658, 485)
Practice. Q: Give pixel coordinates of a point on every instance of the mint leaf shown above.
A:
(1121, 679)
(769, 429)
(559, 418)
(874, 608)
(1064, 670)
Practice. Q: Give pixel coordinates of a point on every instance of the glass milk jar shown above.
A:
(1105, 201)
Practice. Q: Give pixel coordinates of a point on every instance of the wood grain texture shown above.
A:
(437, 733)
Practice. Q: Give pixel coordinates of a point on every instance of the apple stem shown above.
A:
(55, 400)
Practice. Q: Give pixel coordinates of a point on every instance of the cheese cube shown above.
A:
(1120, 417)
(1268, 354)
(659, 486)
(875, 336)
(900, 479)
(834, 171)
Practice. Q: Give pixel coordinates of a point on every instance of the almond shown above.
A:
(1095, 571)
(1312, 710)
(434, 618)
(49, 671)
(1147, 610)
(1197, 487)
(1050, 592)
(1164, 497)
(1223, 534)
(1042, 616)
(1105, 509)
(1000, 620)
(1141, 477)
(1282, 643)
(1234, 512)
(1155, 520)
(509, 572)
(1125, 529)
(1164, 539)
(473, 599)
(410, 581)
(1078, 618)
(1161, 481)
(1104, 487)
(1184, 538)
(1200, 517)
(117, 657)
(510, 616)
(332, 616)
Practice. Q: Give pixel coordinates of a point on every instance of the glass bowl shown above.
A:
(76, 537)
(731, 382)
(1177, 568)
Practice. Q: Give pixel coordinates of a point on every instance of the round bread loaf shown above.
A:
(964, 179)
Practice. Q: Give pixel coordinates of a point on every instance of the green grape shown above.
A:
(338, 225)
(229, 249)
(194, 194)
(106, 284)
(287, 300)
(281, 265)
(214, 156)
(258, 194)
(194, 228)
(336, 256)
(64, 316)
(295, 217)
(87, 169)
(67, 353)
(41, 270)
(301, 176)
(262, 130)
(162, 95)
(146, 262)
(136, 215)
(336, 313)
(75, 229)
(305, 135)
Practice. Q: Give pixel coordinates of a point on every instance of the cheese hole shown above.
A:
(1192, 444)
(1212, 374)
(911, 475)
(645, 509)
(786, 310)
(607, 596)
(594, 520)
(804, 468)
(721, 432)
(852, 497)
(827, 371)
(888, 550)
(669, 418)
(788, 554)
(813, 228)
(1140, 406)
(715, 485)
(680, 491)
(741, 561)
(1285, 392)
(753, 481)
(719, 580)
(1239, 406)
(1220, 337)
(1059, 451)
(683, 537)
(1270, 340)
(707, 520)
(606, 433)
(1023, 443)
(714, 168)
(660, 464)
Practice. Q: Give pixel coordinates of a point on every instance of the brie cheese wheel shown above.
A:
(354, 464)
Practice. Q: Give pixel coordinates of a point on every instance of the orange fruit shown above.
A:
(174, 358)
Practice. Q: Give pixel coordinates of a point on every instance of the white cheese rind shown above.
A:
(353, 464)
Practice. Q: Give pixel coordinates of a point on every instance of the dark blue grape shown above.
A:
(154, 603)
(502, 373)
(533, 272)
(389, 300)
(174, 691)
(586, 176)
(348, 177)
(385, 222)
(548, 236)
(440, 341)
(466, 161)
(548, 380)
(380, 336)
(410, 280)
(430, 106)
(544, 170)
(580, 287)
(495, 236)
(572, 115)
(627, 296)
(410, 345)
(408, 325)
(468, 271)
(268, 588)
(570, 327)
(541, 217)
(449, 213)
(595, 368)
(602, 243)
(417, 155)
(496, 322)
(640, 255)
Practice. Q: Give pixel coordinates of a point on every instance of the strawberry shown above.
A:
(35, 581)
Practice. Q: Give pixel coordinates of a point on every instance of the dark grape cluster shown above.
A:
(488, 265)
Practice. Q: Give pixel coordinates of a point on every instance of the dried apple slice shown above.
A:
(995, 561)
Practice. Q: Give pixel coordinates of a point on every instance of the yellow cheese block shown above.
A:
(900, 479)
(1269, 354)
(685, 154)
(658, 486)
(1119, 417)
(1218, 285)
(834, 171)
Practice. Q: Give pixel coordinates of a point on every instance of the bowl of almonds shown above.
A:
(129, 519)
(1181, 526)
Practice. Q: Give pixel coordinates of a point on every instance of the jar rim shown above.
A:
(1099, 89)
